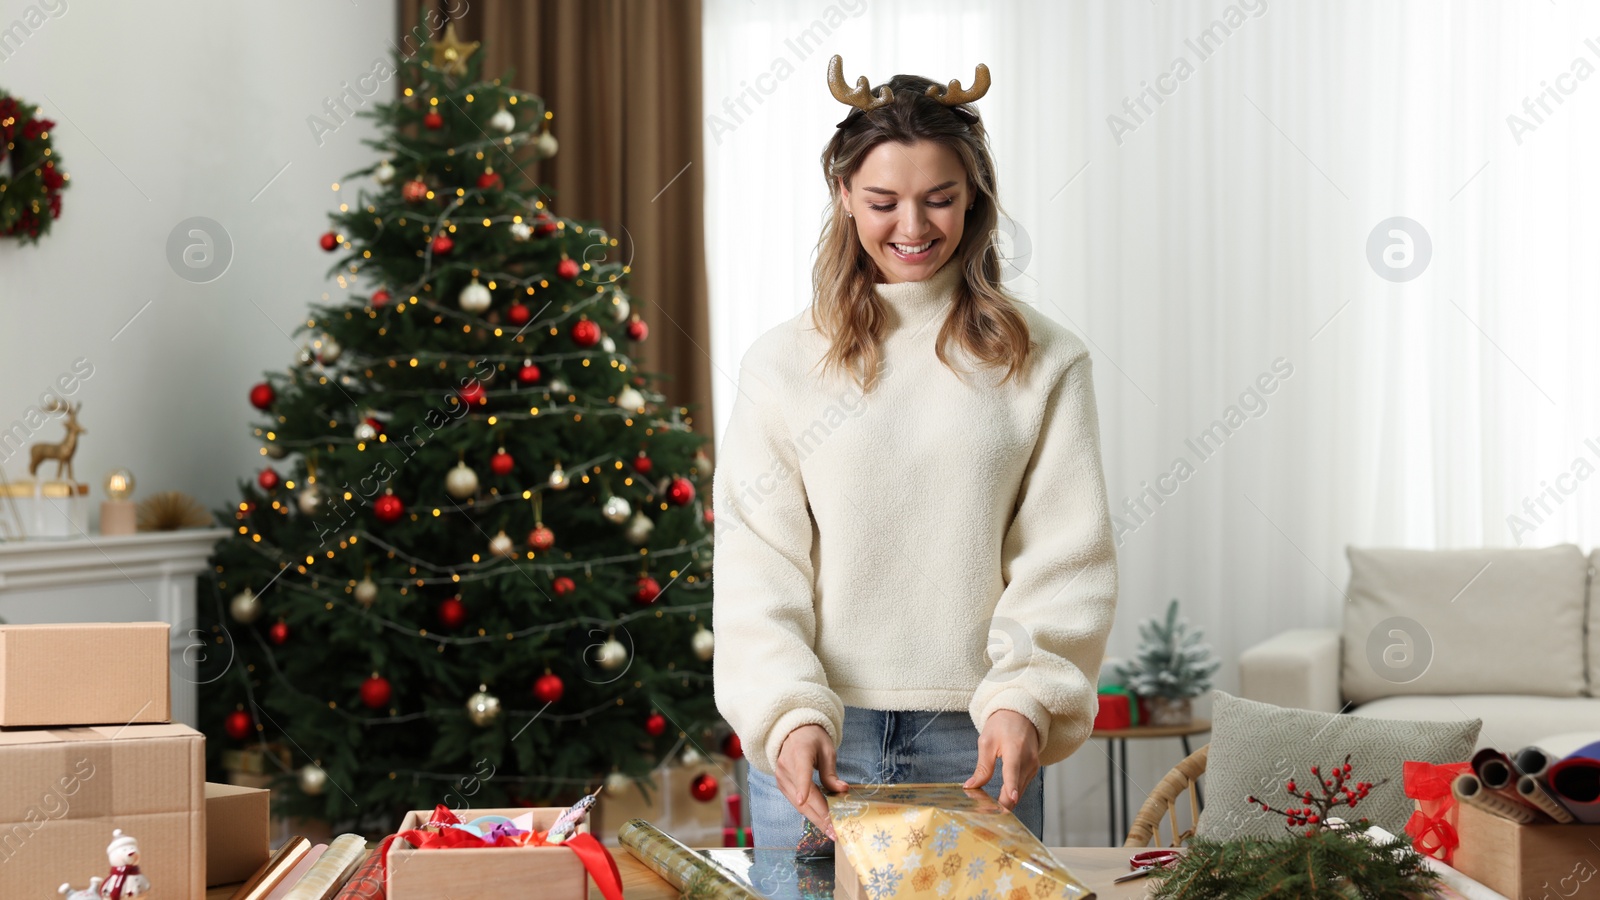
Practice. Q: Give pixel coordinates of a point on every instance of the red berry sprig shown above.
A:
(1337, 790)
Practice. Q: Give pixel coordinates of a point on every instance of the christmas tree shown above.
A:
(475, 569)
(1171, 661)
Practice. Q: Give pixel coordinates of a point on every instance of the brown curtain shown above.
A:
(623, 80)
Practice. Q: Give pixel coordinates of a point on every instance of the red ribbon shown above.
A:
(1433, 826)
(596, 859)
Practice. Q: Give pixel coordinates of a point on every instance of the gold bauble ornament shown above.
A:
(616, 509)
(461, 482)
(558, 478)
(691, 757)
(313, 779)
(245, 607)
(617, 782)
(611, 655)
(450, 53)
(704, 644)
(309, 499)
(546, 144)
(639, 528)
(630, 399)
(502, 545)
(483, 707)
(366, 591)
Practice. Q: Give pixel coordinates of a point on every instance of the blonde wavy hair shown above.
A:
(983, 321)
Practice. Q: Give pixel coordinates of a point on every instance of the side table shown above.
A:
(1117, 771)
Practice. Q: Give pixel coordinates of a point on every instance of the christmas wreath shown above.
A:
(31, 186)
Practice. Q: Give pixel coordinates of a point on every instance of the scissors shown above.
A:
(1145, 863)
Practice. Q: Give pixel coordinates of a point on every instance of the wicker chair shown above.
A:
(1163, 803)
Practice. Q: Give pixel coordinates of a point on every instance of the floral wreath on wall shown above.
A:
(30, 183)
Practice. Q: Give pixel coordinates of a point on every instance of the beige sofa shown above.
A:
(1511, 636)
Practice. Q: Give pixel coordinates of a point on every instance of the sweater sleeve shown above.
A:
(1058, 561)
(765, 673)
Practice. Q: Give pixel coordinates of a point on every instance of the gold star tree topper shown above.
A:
(450, 52)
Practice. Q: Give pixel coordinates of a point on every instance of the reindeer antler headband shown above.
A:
(863, 100)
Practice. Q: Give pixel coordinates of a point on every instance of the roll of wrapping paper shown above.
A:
(1534, 792)
(1468, 789)
(331, 870)
(1497, 775)
(678, 864)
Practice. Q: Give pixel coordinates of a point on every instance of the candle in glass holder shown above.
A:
(117, 514)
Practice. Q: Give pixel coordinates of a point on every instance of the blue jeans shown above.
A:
(878, 747)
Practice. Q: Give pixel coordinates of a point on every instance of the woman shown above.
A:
(910, 469)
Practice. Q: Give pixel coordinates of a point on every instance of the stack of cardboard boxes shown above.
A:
(87, 746)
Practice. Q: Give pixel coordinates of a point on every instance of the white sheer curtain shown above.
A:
(1222, 233)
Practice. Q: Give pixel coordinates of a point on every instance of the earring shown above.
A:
(849, 215)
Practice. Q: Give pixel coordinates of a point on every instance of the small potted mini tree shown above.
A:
(1170, 669)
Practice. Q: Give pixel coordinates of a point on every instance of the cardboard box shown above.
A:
(63, 791)
(87, 674)
(669, 807)
(238, 832)
(551, 873)
(1525, 860)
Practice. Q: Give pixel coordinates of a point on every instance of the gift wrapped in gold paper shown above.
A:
(938, 841)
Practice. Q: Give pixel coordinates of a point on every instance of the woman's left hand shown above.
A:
(1011, 736)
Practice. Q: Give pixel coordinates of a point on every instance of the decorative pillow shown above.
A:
(1256, 747)
(1486, 621)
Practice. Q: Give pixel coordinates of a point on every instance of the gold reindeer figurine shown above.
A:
(63, 451)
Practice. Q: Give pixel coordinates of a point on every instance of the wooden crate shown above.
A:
(1525, 860)
(493, 872)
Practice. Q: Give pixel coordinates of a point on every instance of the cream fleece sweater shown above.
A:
(936, 544)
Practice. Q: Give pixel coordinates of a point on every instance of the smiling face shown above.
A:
(909, 204)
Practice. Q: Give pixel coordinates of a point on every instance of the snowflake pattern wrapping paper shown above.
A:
(943, 842)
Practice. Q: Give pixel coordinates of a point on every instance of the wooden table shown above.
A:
(1117, 773)
(1094, 866)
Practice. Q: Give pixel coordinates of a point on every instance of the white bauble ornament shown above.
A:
(503, 121)
(691, 757)
(639, 528)
(547, 145)
(616, 509)
(309, 499)
(474, 297)
(608, 345)
(245, 607)
(312, 779)
(461, 482)
(502, 545)
(365, 432)
(630, 399)
(304, 356)
(384, 173)
(617, 782)
(704, 643)
(558, 478)
(611, 655)
(328, 350)
(521, 231)
(483, 707)
(558, 386)
(366, 591)
(620, 307)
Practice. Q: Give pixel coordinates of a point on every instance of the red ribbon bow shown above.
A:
(596, 859)
(1433, 826)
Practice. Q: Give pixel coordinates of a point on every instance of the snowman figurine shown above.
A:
(123, 882)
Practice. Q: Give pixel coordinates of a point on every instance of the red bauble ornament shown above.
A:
(278, 633)
(388, 508)
(472, 393)
(238, 725)
(647, 591)
(452, 613)
(442, 244)
(681, 492)
(380, 297)
(563, 586)
(262, 396)
(656, 725)
(268, 479)
(414, 191)
(703, 788)
(544, 225)
(643, 464)
(330, 242)
(375, 692)
(567, 268)
(501, 463)
(637, 330)
(548, 688)
(710, 516)
(585, 333)
(541, 538)
(433, 120)
(377, 424)
(733, 748)
(489, 181)
(529, 373)
(518, 314)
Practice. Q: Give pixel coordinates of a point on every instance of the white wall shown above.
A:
(166, 111)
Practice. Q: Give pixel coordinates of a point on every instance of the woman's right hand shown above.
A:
(808, 749)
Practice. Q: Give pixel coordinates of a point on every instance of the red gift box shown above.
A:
(1114, 712)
